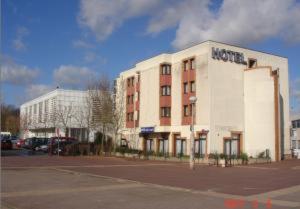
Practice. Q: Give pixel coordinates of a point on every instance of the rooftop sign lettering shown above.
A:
(228, 55)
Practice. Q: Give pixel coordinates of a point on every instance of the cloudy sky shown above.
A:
(68, 42)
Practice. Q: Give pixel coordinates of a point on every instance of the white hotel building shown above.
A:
(63, 110)
(242, 101)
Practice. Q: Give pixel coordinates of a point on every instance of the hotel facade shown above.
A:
(242, 102)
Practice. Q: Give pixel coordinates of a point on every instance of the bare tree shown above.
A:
(24, 123)
(119, 98)
(64, 116)
(101, 102)
(83, 115)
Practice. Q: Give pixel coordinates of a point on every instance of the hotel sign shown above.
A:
(147, 129)
(228, 55)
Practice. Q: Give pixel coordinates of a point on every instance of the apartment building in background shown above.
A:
(59, 112)
(242, 102)
(295, 135)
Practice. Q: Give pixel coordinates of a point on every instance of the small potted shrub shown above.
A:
(222, 160)
(244, 158)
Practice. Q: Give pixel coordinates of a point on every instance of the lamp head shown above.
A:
(193, 99)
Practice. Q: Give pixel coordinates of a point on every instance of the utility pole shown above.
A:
(193, 100)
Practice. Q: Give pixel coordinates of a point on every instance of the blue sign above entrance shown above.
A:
(147, 129)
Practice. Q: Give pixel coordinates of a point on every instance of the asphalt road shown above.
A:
(20, 152)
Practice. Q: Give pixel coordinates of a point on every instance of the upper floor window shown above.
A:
(128, 82)
(192, 86)
(252, 63)
(35, 109)
(166, 90)
(138, 78)
(130, 116)
(185, 65)
(166, 69)
(165, 111)
(186, 110)
(128, 99)
(193, 64)
(185, 88)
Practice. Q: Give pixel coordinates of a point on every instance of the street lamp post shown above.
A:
(193, 100)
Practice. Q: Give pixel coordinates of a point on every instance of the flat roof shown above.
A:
(144, 59)
(51, 92)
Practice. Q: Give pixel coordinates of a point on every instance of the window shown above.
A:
(192, 86)
(40, 112)
(132, 98)
(132, 81)
(193, 66)
(185, 88)
(166, 112)
(128, 99)
(163, 146)
(252, 63)
(138, 78)
(166, 90)
(35, 109)
(185, 110)
(185, 65)
(130, 116)
(128, 82)
(166, 70)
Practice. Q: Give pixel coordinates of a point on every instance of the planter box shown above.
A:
(222, 163)
(258, 160)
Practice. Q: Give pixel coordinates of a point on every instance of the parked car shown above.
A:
(14, 141)
(57, 144)
(35, 142)
(20, 143)
(6, 144)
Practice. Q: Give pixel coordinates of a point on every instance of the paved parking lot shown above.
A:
(93, 182)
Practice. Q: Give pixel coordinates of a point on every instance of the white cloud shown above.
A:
(13, 73)
(81, 44)
(241, 22)
(18, 42)
(103, 17)
(236, 22)
(73, 76)
(36, 90)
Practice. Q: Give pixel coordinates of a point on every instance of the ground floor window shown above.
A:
(200, 145)
(180, 147)
(149, 145)
(163, 146)
(231, 147)
(295, 144)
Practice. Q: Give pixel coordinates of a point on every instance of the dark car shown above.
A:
(6, 144)
(35, 142)
(58, 144)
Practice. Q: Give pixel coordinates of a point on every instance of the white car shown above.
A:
(43, 148)
(296, 153)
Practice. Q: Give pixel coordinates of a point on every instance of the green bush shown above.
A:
(244, 157)
(261, 154)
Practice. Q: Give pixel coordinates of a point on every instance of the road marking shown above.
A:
(68, 190)
(256, 167)
(279, 192)
(87, 166)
